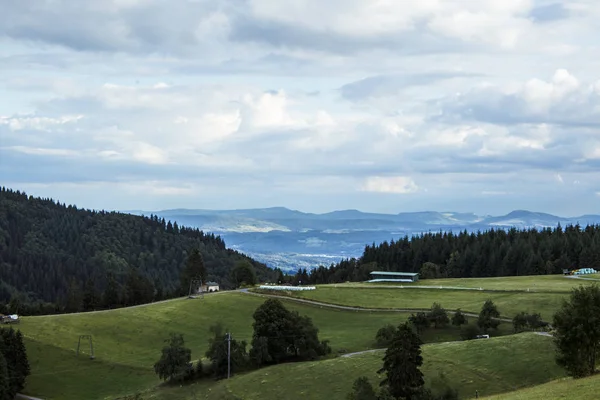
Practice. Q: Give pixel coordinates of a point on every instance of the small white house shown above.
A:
(210, 287)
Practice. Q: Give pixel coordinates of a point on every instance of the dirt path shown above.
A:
(351, 308)
(25, 397)
(582, 278)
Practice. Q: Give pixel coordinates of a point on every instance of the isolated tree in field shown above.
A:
(194, 269)
(401, 364)
(488, 316)
(520, 322)
(459, 318)
(243, 274)
(217, 353)
(282, 335)
(438, 316)
(577, 335)
(385, 335)
(174, 362)
(362, 390)
(534, 321)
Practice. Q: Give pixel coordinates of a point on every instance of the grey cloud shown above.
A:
(549, 13)
(580, 110)
(91, 26)
(249, 29)
(389, 85)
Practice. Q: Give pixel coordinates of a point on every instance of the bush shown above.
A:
(438, 316)
(385, 335)
(459, 318)
(362, 390)
(470, 332)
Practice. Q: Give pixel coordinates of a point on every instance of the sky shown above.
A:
(482, 106)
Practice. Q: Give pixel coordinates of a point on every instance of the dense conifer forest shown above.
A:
(55, 257)
(464, 255)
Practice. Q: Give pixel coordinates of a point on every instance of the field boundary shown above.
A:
(433, 287)
(359, 309)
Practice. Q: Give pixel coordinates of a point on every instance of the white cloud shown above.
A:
(393, 184)
(329, 103)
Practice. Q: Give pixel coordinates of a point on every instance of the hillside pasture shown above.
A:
(532, 283)
(489, 366)
(565, 388)
(128, 341)
(508, 303)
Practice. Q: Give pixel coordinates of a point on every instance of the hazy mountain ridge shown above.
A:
(290, 239)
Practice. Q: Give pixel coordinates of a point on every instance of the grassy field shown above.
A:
(489, 366)
(508, 303)
(552, 283)
(127, 342)
(566, 388)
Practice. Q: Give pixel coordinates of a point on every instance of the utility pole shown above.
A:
(228, 355)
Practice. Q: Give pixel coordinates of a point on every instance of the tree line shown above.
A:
(59, 258)
(496, 252)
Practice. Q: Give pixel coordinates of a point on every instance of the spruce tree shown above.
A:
(194, 269)
(401, 364)
(5, 391)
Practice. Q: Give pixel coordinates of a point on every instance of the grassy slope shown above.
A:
(508, 303)
(489, 366)
(128, 341)
(567, 388)
(554, 283)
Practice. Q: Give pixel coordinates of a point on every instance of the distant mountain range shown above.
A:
(290, 239)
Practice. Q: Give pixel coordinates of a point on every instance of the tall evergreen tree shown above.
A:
(194, 269)
(91, 298)
(401, 364)
(577, 331)
(111, 296)
(5, 389)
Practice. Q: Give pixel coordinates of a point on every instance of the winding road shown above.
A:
(352, 308)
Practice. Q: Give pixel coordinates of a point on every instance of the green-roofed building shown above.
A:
(387, 276)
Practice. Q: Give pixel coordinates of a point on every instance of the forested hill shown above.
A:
(49, 251)
(482, 254)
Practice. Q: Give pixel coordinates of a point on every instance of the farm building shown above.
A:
(210, 287)
(385, 276)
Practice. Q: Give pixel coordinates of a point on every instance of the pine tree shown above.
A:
(111, 294)
(401, 364)
(194, 269)
(91, 298)
(5, 391)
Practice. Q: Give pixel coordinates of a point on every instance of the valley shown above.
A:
(289, 239)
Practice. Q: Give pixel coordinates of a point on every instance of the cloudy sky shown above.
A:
(378, 105)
